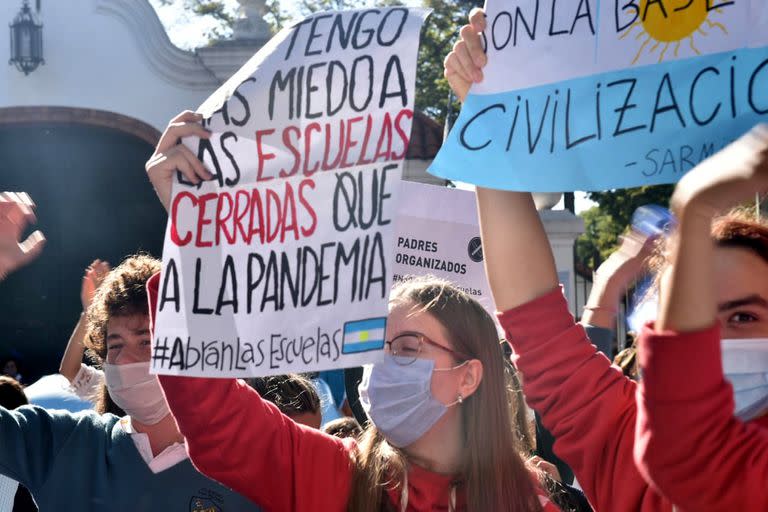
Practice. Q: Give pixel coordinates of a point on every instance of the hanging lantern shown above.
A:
(26, 40)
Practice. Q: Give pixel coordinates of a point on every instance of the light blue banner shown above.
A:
(633, 127)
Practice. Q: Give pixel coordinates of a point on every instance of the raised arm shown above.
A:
(609, 282)
(72, 360)
(587, 405)
(16, 212)
(31, 438)
(518, 259)
(246, 443)
(689, 443)
(506, 218)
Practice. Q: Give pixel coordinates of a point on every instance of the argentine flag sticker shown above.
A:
(364, 335)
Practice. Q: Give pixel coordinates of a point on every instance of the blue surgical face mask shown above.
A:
(745, 364)
(398, 399)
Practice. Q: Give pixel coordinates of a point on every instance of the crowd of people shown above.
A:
(451, 419)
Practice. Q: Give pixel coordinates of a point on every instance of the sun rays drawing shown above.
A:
(663, 30)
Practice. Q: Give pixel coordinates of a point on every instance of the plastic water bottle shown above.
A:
(652, 220)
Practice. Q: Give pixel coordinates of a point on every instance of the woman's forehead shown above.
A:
(410, 317)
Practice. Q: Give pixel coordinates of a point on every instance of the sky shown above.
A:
(188, 31)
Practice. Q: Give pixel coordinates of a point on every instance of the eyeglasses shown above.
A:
(407, 347)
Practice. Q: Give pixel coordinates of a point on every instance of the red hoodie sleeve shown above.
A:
(247, 444)
(587, 404)
(689, 443)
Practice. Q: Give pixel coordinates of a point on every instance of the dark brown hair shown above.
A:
(122, 293)
(343, 427)
(103, 403)
(493, 473)
(737, 228)
(291, 393)
(627, 361)
(740, 228)
(11, 393)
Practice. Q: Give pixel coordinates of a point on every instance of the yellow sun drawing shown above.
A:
(668, 27)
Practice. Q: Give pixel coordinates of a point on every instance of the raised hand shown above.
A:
(629, 260)
(463, 66)
(614, 276)
(727, 178)
(94, 275)
(16, 211)
(170, 156)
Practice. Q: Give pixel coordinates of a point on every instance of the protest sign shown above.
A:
(282, 263)
(589, 95)
(438, 234)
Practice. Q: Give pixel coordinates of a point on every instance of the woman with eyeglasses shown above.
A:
(441, 436)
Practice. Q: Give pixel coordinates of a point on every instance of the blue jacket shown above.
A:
(84, 461)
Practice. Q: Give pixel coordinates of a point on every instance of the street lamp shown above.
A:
(26, 40)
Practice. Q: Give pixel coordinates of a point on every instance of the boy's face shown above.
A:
(128, 339)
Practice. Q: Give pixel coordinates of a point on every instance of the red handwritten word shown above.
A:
(245, 216)
(339, 145)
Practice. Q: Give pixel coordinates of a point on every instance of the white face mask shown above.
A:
(136, 391)
(745, 364)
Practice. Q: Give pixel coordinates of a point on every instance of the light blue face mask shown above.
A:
(398, 399)
(745, 364)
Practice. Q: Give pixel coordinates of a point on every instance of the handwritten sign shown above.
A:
(589, 95)
(283, 262)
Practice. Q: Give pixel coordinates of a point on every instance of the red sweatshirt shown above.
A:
(590, 408)
(689, 443)
(587, 404)
(247, 444)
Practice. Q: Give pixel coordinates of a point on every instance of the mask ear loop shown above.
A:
(459, 399)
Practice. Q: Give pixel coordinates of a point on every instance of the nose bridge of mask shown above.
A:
(744, 356)
(388, 374)
(750, 403)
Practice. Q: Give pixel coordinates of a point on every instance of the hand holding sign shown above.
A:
(16, 211)
(464, 64)
(170, 156)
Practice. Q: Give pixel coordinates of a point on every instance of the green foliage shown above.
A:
(603, 224)
(440, 31)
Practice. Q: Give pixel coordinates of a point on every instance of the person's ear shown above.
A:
(471, 378)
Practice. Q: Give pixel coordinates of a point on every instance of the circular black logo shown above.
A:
(475, 250)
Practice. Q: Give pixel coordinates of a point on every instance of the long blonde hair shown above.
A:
(493, 473)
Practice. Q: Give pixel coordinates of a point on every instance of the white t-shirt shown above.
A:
(169, 457)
